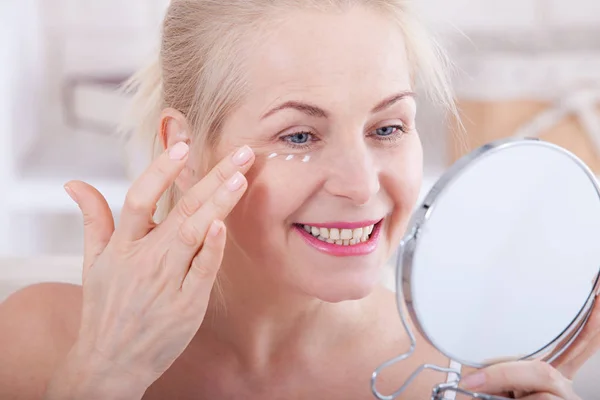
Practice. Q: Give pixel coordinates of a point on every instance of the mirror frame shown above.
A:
(404, 265)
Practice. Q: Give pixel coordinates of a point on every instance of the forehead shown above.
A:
(330, 57)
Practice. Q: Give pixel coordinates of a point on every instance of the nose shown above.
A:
(352, 174)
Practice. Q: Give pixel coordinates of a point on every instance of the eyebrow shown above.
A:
(314, 111)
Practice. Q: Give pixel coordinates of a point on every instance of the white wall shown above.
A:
(6, 123)
(525, 15)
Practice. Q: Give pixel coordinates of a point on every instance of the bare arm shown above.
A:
(38, 331)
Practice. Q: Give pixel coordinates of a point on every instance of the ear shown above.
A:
(174, 128)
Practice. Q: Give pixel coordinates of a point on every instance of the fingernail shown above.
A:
(242, 156)
(473, 381)
(71, 193)
(215, 229)
(236, 182)
(179, 151)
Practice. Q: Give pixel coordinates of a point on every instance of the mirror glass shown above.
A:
(505, 253)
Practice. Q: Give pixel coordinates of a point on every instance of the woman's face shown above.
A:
(337, 87)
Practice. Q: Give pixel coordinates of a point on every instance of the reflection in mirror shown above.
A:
(501, 261)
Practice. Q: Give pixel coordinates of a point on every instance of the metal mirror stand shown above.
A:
(439, 391)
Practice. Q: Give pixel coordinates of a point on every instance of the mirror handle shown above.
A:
(441, 390)
(413, 341)
(438, 393)
(412, 377)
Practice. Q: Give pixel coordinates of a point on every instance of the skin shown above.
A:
(293, 322)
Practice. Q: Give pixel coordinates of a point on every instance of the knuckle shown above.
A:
(88, 219)
(223, 200)
(189, 205)
(186, 306)
(220, 174)
(189, 235)
(565, 386)
(203, 270)
(135, 204)
(549, 373)
(160, 170)
(552, 376)
(218, 200)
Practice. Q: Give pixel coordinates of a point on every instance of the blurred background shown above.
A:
(515, 61)
(520, 66)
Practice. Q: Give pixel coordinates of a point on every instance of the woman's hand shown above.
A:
(527, 380)
(541, 379)
(146, 287)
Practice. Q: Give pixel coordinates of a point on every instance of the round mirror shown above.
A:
(502, 258)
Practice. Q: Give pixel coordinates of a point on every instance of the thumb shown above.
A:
(98, 223)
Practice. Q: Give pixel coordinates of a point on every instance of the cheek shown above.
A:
(413, 165)
(403, 182)
(406, 174)
(267, 208)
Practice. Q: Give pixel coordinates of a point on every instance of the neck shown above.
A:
(258, 318)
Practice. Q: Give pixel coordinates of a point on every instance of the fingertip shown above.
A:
(243, 156)
(82, 191)
(71, 192)
(79, 188)
(473, 381)
(179, 151)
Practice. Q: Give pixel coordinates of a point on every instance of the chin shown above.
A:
(346, 288)
(346, 294)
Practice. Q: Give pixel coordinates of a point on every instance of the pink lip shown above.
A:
(359, 249)
(344, 225)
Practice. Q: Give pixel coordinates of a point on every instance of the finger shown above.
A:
(528, 376)
(543, 396)
(548, 396)
(98, 220)
(205, 265)
(136, 216)
(193, 231)
(240, 161)
(584, 347)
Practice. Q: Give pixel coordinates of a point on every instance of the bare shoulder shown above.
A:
(38, 326)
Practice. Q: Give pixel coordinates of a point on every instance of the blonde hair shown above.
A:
(198, 71)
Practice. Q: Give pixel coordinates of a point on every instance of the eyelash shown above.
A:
(304, 146)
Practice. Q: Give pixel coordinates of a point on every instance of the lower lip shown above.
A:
(336, 250)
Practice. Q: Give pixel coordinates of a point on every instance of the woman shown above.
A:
(295, 248)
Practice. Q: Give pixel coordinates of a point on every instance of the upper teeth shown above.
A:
(341, 236)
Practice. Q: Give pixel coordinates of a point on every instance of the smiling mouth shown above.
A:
(342, 235)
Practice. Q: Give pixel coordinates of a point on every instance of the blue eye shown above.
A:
(391, 133)
(299, 138)
(387, 130)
